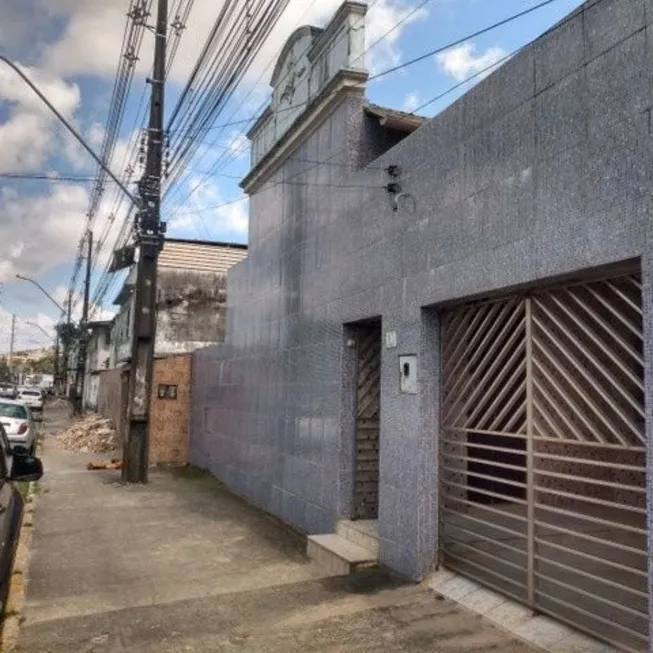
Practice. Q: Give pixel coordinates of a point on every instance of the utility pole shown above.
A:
(11, 348)
(80, 375)
(55, 370)
(149, 238)
(66, 346)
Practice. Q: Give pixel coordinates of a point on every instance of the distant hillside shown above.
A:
(32, 355)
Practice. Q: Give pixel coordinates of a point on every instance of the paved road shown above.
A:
(182, 565)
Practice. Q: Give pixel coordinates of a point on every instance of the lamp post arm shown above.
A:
(41, 329)
(43, 290)
(70, 128)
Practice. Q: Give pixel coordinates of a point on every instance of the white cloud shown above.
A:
(63, 95)
(381, 18)
(463, 61)
(31, 132)
(97, 31)
(93, 28)
(411, 102)
(39, 232)
(26, 336)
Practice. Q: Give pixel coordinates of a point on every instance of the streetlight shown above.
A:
(70, 128)
(55, 340)
(41, 329)
(135, 200)
(44, 291)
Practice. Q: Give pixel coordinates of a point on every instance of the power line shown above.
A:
(480, 73)
(403, 65)
(269, 186)
(223, 160)
(443, 48)
(212, 99)
(326, 161)
(181, 10)
(47, 177)
(135, 26)
(254, 86)
(398, 24)
(474, 35)
(218, 82)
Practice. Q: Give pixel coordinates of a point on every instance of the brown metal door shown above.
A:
(368, 391)
(542, 455)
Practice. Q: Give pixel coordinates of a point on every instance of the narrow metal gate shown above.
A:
(543, 467)
(368, 392)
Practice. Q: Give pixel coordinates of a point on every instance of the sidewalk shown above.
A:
(181, 565)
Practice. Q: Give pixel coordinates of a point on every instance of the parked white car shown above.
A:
(33, 399)
(8, 391)
(17, 421)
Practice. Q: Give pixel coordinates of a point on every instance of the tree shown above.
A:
(5, 374)
(43, 366)
(68, 333)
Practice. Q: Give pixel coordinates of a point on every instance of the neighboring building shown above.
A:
(191, 313)
(191, 298)
(97, 359)
(457, 359)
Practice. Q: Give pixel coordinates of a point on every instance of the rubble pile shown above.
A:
(114, 463)
(92, 434)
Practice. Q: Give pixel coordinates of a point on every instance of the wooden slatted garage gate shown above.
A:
(542, 464)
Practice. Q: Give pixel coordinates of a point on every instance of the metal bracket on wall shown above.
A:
(395, 190)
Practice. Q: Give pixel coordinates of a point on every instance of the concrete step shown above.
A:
(337, 555)
(364, 532)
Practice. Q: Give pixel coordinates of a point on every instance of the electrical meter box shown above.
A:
(408, 374)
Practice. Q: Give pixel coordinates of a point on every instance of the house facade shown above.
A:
(191, 314)
(98, 355)
(191, 298)
(445, 331)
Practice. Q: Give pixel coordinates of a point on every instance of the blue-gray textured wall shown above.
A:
(543, 169)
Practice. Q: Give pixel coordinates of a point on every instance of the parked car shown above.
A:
(33, 399)
(16, 465)
(18, 424)
(8, 391)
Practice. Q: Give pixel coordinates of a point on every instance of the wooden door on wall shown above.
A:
(368, 393)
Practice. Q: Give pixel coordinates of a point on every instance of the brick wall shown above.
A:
(169, 417)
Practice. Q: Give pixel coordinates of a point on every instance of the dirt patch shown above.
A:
(91, 434)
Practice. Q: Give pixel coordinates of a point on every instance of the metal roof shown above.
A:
(200, 256)
(194, 255)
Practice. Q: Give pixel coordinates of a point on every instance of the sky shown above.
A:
(70, 49)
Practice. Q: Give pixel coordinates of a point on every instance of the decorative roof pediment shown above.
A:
(310, 59)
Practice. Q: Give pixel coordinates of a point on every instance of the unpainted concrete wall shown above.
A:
(112, 396)
(191, 311)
